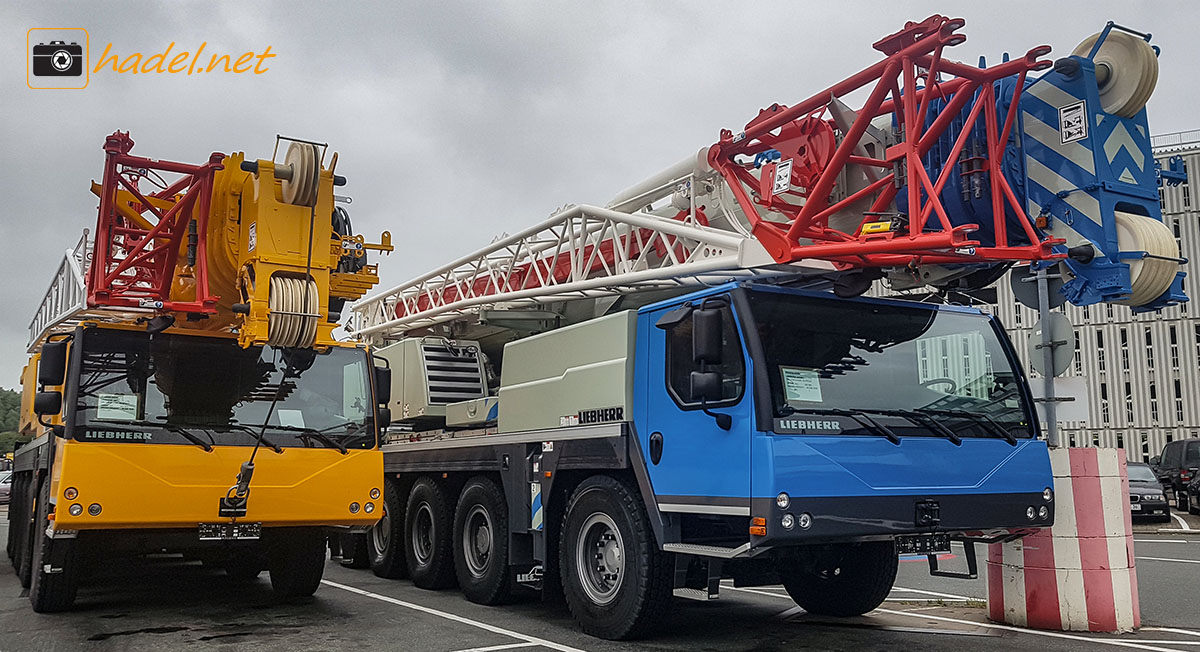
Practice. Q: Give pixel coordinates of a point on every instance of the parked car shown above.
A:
(1178, 465)
(5, 486)
(1193, 492)
(1146, 494)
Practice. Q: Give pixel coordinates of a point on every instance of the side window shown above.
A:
(1193, 453)
(680, 363)
(1170, 457)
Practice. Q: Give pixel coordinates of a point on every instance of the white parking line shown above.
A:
(496, 648)
(1020, 630)
(1165, 541)
(533, 640)
(1182, 523)
(935, 593)
(1182, 561)
(1173, 630)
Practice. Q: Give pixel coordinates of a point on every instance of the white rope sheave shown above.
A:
(293, 312)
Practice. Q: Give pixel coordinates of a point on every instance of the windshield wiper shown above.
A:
(166, 426)
(249, 431)
(978, 418)
(918, 418)
(859, 416)
(305, 433)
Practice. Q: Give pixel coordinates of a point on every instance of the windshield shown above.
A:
(1141, 474)
(184, 389)
(914, 369)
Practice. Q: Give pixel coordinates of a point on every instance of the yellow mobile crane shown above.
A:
(185, 390)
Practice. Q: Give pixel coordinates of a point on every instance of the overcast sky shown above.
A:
(457, 121)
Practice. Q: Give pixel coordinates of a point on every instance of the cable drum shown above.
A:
(1126, 71)
(292, 321)
(1149, 277)
(301, 188)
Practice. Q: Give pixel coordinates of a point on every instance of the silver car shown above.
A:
(5, 486)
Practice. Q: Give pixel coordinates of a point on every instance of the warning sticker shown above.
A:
(1072, 123)
(783, 177)
(117, 407)
(801, 384)
(252, 237)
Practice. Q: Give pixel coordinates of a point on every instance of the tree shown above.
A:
(10, 416)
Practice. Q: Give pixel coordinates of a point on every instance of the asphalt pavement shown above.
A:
(165, 604)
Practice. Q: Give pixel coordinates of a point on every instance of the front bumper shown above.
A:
(865, 518)
(1144, 507)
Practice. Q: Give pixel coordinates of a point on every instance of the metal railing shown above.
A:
(1176, 139)
(67, 295)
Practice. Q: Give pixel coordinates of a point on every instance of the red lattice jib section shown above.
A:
(141, 233)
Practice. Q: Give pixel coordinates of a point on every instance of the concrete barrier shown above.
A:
(1080, 574)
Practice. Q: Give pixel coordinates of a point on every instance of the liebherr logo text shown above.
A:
(119, 435)
(795, 425)
(599, 415)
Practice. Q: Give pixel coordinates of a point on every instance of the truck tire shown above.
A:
(616, 581)
(296, 561)
(354, 550)
(23, 523)
(427, 536)
(481, 543)
(387, 537)
(843, 580)
(50, 592)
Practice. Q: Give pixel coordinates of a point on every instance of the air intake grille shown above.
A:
(452, 373)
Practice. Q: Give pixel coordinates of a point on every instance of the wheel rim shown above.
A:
(477, 541)
(381, 534)
(422, 536)
(600, 558)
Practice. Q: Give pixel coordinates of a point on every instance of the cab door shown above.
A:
(697, 449)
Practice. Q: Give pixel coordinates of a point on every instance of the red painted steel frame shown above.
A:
(134, 266)
(912, 54)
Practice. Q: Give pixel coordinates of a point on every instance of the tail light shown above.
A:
(1186, 474)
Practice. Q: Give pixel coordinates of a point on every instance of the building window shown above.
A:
(1120, 440)
(1087, 314)
(1174, 342)
(1100, 349)
(1124, 350)
(1153, 402)
(1178, 402)
(1128, 402)
(1109, 310)
(1187, 196)
(1078, 358)
(1104, 403)
(1149, 350)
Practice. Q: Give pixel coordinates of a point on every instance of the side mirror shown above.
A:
(706, 336)
(47, 403)
(706, 386)
(383, 417)
(52, 365)
(1154, 461)
(383, 385)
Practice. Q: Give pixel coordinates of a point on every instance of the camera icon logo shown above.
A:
(57, 59)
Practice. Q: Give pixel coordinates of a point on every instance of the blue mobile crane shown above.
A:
(635, 402)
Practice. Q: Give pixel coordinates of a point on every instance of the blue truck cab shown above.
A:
(820, 419)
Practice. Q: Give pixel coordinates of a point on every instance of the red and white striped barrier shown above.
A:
(1079, 575)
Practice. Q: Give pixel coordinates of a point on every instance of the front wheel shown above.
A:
(296, 561)
(54, 574)
(616, 581)
(841, 580)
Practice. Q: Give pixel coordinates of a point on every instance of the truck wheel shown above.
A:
(354, 550)
(387, 537)
(54, 591)
(296, 561)
(616, 581)
(842, 580)
(481, 543)
(24, 526)
(427, 535)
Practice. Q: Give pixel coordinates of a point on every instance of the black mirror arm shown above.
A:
(724, 421)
